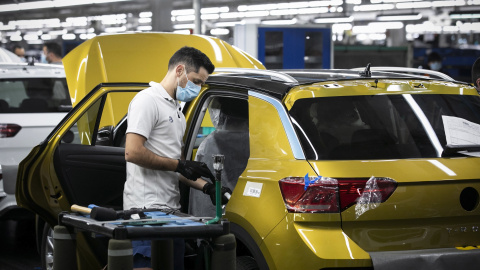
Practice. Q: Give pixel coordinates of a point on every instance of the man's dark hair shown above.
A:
(16, 46)
(53, 48)
(476, 72)
(192, 58)
(434, 57)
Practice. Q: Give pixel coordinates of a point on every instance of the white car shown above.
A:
(33, 100)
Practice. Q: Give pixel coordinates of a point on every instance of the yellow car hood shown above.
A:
(140, 58)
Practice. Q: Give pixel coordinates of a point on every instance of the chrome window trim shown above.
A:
(287, 124)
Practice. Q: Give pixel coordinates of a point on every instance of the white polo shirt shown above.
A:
(155, 115)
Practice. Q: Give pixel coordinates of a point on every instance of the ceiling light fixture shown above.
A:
(464, 15)
(334, 20)
(374, 7)
(406, 17)
(280, 22)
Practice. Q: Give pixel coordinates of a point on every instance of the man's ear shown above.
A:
(478, 83)
(179, 70)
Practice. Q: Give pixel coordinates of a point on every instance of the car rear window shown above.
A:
(34, 95)
(379, 126)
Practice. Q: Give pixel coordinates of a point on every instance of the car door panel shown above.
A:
(91, 174)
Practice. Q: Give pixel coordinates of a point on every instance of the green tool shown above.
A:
(218, 167)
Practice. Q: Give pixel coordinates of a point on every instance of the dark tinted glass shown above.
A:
(34, 95)
(378, 127)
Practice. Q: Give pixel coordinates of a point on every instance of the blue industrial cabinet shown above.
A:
(295, 48)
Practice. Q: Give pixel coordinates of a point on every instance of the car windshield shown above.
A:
(383, 126)
(34, 95)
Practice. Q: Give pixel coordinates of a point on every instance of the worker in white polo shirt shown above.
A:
(153, 147)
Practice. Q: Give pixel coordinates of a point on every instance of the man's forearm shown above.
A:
(147, 159)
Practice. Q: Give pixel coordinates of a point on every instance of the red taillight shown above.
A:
(319, 196)
(9, 130)
(328, 195)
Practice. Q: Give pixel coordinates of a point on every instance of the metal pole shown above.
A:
(197, 6)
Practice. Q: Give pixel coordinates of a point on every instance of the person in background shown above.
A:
(52, 53)
(434, 62)
(476, 74)
(20, 52)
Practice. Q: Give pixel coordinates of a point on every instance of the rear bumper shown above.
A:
(438, 259)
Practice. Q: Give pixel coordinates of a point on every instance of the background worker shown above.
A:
(52, 53)
(476, 74)
(19, 51)
(153, 148)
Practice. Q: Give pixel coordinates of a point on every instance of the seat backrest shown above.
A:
(3, 106)
(34, 105)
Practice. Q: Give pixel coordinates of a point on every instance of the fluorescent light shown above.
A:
(339, 28)
(334, 20)
(219, 31)
(57, 32)
(16, 38)
(210, 16)
(354, 2)
(366, 29)
(186, 32)
(181, 12)
(184, 26)
(184, 18)
(144, 28)
(214, 10)
(227, 24)
(414, 5)
(35, 5)
(281, 12)
(51, 4)
(10, 7)
(391, 1)
(46, 37)
(450, 29)
(280, 22)
(465, 16)
(257, 7)
(448, 3)
(144, 20)
(232, 15)
(69, 36)
(400, 17)
(426, 27)
(30, 37)
(386, 25)
(147, 14)
(373, 7)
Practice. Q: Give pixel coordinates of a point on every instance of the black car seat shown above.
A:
(39, 92)
(231, 139)
(3, 106)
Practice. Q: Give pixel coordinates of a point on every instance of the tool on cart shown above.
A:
(106, 214)
(218, 161)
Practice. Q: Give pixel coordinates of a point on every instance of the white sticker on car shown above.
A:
(253, 189)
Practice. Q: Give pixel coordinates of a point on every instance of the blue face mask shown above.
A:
(436, 66)
(43, 58)
(189, 92)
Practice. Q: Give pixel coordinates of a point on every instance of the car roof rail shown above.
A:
(279, 76)
(410, 70)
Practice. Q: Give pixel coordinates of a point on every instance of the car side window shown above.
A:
(99, 124)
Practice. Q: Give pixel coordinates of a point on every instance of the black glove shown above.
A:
(209, 189)
(193, 169)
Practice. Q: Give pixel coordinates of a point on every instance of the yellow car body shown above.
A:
(418, 206)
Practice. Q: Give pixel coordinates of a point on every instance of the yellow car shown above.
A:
(371, 168)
